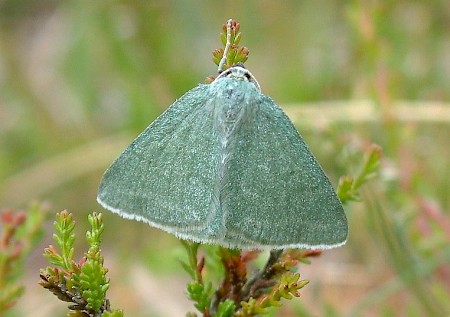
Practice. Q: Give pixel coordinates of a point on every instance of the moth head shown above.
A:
(239, 72)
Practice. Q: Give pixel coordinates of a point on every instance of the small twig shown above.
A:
(227, 47)
(262, 279)
(234, 280)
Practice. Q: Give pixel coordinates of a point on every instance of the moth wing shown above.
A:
(276, 193)
(165, 176)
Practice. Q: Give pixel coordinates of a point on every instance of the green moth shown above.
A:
(225, 165)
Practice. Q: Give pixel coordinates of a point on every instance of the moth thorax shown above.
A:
(239, 73)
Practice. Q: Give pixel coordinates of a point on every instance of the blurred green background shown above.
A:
(80, 79)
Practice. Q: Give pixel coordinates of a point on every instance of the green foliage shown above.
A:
(238, 296)
(83, 283)
(225, 309)
(197, 291)
(191, 266)
(93, 281)
(200, 294)
(348, 189)
(20, 232)
(230, 38)
(115, 313)
(64, 238)
(287, 287)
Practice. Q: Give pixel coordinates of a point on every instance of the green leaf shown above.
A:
(348, 188)
(200, 294)
(114, 313)
(225, 309)
(64, 238)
